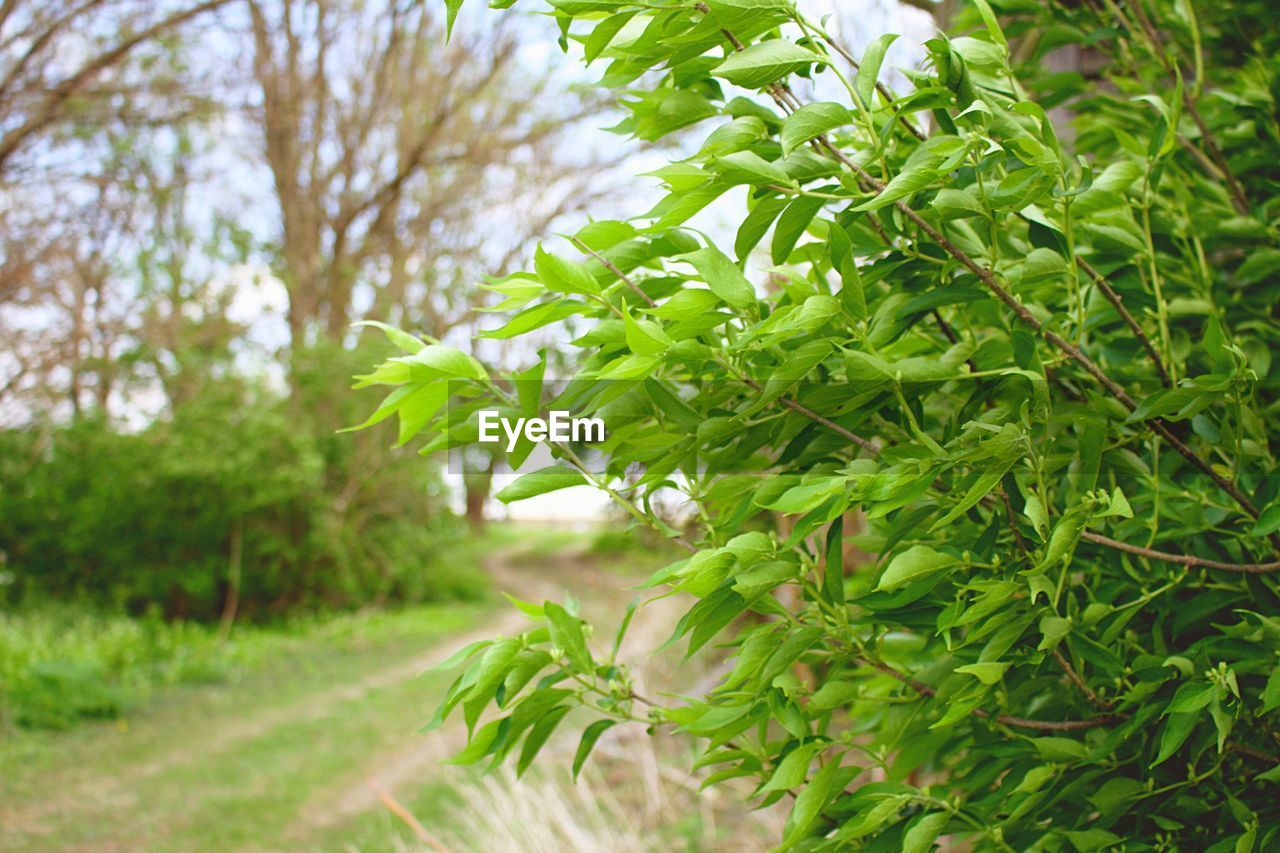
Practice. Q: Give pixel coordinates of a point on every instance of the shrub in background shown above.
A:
(1041, 369)
(238, 496)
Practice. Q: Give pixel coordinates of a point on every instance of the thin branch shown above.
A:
(1013, 524)
(47, 112)
(611, 267)
(1252, 752)
(880, 87)
(1024, 315)
(1114, 298)
(1238, 198)
(1182, 559)
(405, 815)
(1004, 719)
(1079, 681)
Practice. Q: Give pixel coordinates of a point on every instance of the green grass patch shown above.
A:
(63, 663)
(264, 759)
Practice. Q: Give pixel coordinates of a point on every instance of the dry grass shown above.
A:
(635, 796)
(636, 792)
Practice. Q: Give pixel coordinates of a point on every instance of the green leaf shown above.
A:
(756, 223)
(834, 694)
(1191, 697)
(791, 771)
(1063, 540)
(437, 360)
(1054, 628)
(492, 668)
(451, 14)
(403, 340)
(764, 63)
(806, 496)
(1036, 514)
(987, 673)
(566, 632)
(735, 14)
(792, 224)
(386, 408)
(1035, 778)
(1176, 730)
(992, 25)
(1088, 840)
(645, 337)
(721, 275)
(563, 275)
(810, 121)
(589, 737)
(903, 184)
(833, 571)
(687, 303)
(484, 742)
(1060, 749)
(810, 802)
(1271, 693)
(536, 317)
(1042, 265)
(956, 204)
(734, 136)
(918, 561)
(603, 34)
(538, 736)
(540, 482)
(919, 838)
(748, 167)
(1268, 522)
(460, 655)
(869, 69)
(982, 486)
(623, 626)
(418, 408)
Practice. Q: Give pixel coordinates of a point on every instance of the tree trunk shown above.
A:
(232, 601)
(477, 485)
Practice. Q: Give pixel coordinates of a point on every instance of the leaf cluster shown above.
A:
(1024, 363)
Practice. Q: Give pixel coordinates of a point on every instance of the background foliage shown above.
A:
(1010, 334)
(232, 482)
(197, 198)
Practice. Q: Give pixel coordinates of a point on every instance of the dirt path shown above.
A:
(276, 762)
(413, 758)
(283, 759)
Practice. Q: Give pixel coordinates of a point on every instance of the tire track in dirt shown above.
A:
(530, 578)
(120, 790)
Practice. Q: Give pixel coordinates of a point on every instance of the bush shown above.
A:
(1037, 371)
(62, 663)
(233, 488)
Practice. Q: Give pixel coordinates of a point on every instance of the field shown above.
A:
(305, 736)
(275, 754)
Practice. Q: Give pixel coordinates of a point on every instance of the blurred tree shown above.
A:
(63, 63)
(401, 164)
(135, 149)
(404, 169)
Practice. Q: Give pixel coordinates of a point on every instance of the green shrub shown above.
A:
(60, 663)
(137, 519)
(55, 695)
(1036, 366)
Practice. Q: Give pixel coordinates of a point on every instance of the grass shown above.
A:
(251, 763)
(268, 742)
(61, 663)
